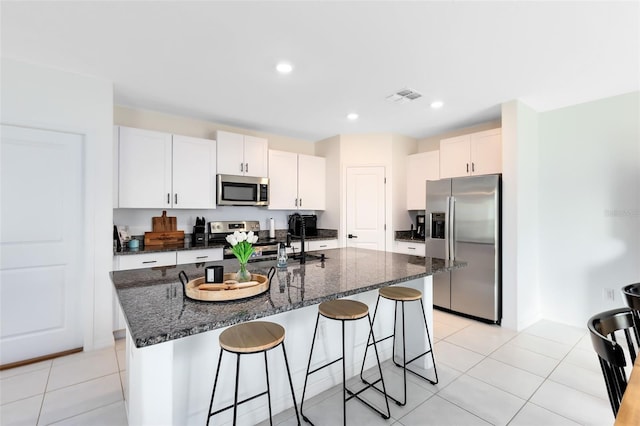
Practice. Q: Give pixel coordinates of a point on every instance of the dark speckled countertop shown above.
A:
(156, 311)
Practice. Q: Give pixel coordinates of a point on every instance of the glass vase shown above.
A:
(243, 275)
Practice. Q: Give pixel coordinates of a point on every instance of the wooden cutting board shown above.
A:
(164, 223)
(169, 238)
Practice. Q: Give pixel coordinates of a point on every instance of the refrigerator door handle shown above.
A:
(447, 239)
(452, 228)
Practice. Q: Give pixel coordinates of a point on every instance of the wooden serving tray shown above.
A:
(230, 289)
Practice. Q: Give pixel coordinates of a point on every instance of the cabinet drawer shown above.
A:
(146, 260)
(322, 245)
(416, 249)
(197, 256)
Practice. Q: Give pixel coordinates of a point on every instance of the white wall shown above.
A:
(589, 206)
(402, 146)
(152, 120)
(520, 220)
(45, 98)
(330, 218)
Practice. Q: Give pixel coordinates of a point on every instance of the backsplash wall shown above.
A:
(139, 220)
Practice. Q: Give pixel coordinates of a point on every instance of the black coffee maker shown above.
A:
(420, 225)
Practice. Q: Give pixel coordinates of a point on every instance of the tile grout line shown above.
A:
(44, 393)
(528, 401)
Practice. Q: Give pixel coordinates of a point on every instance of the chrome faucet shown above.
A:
(303, 231)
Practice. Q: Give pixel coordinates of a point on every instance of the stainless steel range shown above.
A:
(218, 232)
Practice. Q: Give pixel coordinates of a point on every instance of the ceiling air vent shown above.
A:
(404, 95)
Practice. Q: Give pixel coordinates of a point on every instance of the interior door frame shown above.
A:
(342, 233)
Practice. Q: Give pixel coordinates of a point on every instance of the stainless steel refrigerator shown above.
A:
(463, 215)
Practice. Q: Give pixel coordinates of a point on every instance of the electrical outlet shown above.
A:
(609, 294)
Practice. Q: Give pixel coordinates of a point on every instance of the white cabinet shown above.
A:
(416, 249)
(158, 170)
(321, 244)
(194, 173)
(296, 181)
(145, 260)
(241, 155)
(312, 245)
(421, 168)
(311, 182)
(200, 255)
(473, 154)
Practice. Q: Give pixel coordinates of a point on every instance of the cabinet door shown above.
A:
(313, 245)
(144, 169)
(311, 182)
(283, 180)
(486, 152)
(255, 156)
(416, 249)
(194, 173)
(420, 168)
(455, 157)
(146, 260)
(199, 256)
(230, 158)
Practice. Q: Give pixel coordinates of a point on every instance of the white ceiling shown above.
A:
(215, 60)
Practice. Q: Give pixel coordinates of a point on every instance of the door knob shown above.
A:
(352, 236)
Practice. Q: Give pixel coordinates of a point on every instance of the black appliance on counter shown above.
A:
(420, 225)
(218, 232)
(310, 223)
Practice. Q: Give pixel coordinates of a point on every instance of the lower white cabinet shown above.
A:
(321, 244)
(197, 256)
(416, 249)
(145, 260)
(312, 245)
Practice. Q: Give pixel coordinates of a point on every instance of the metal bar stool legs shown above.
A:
(351, 310)
(402, 295)
(251, 338)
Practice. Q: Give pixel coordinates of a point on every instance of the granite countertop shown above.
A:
(281, 236)
(408, 237)
(156, 311)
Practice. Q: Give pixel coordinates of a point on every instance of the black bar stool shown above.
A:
(401, 294)
(250, 338)
(345, 310)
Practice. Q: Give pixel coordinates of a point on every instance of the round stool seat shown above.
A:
(343, 309)
(400, 293)
(251, 337)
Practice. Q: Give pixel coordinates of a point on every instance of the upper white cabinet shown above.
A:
(473, 154)
(241, 155)
(296, 181)
(421, 168)
(159, 170)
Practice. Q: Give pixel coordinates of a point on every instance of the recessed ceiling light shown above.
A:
(352, 116)
(437, 104)
(284, 67)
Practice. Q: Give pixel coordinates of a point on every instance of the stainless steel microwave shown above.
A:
(243, 191)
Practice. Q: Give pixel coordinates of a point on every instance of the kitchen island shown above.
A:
(172, 341)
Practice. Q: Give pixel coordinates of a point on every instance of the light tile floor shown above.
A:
(547, 374)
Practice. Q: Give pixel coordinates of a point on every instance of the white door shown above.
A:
(194, 173)
(41, 237)
(365, 208)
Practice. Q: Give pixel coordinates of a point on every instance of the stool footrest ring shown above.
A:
(240, 402)
(356, 396)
